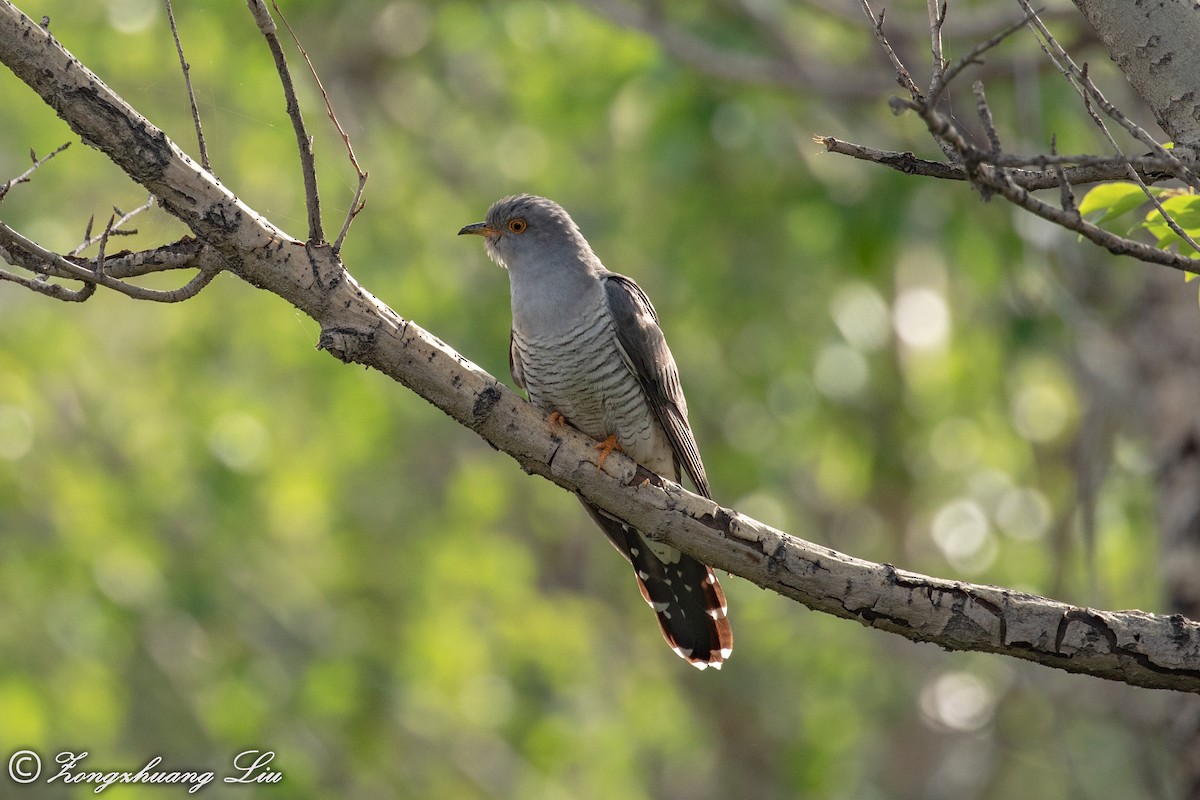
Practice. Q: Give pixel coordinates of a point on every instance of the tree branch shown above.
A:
(357, 203)
(187, 82)
(993, 172)
(25, 176)
(17, 249)
(1131, 646)
(1079, 170)
(266, 25)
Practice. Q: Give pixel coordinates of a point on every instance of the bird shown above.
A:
(587, 347)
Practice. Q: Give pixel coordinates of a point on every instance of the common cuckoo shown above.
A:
(587, 347)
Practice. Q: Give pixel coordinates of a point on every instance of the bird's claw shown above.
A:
(605, 448)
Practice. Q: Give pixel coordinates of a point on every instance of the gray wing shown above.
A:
(644, 350)
(514, 363)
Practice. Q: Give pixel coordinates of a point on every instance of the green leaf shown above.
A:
(1114, 199)
(1183, 209)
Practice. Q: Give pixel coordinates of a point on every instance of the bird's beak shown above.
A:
(479, 229)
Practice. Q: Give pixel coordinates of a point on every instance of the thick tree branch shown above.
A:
(1130, 646)
(1155, 47)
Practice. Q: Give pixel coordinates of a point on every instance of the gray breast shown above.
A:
(580, 373)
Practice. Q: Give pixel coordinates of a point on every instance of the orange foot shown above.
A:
(606, 447)
(557, 421)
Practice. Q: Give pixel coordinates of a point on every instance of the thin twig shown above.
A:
(99, 265)
(115, 228)
(972, 57)
(1084, 85)
(990, 171)
(46, 262)
(187, 80)
(1175, 227)
(1080, 170)
(985, 117)
(55, 290)
(37, 162)
(357, 203)
(266, 25)
(1071, 220)
(1079, 78)
(1066, 198)
(986, 174)
(902, 73)
(1132, 173)
(937, 18)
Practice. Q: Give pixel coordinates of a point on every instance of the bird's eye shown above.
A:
(517, 225)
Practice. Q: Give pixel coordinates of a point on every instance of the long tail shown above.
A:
(684, 593)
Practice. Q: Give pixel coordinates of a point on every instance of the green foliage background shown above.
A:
(213, 538)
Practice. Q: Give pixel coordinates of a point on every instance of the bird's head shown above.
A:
(526, 233)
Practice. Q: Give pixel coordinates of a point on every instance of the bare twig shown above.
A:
(37, 162)
(1081, 169)
(937, 18)
(266, 25)
(1066, 198)
(54, 290)
(1079, 79)
(99, 263)
(992, 171)
(985, 117)
(990, 175)
(1089, 92)
(1071, 220)
(18, 249)
(357, 203)
(116, 227)
(902, 73)
(971, 58)
(187, 80)
(908, 163)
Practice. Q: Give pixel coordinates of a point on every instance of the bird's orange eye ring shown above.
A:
(517, 225)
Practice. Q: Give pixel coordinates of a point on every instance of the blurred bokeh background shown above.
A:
(214, 538)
